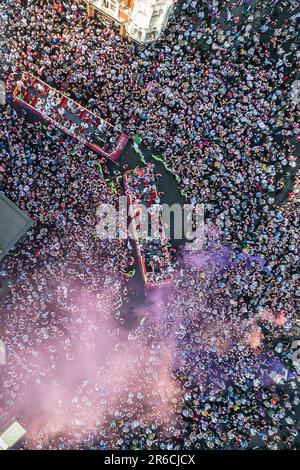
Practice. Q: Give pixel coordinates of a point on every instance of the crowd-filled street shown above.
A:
(209, 361)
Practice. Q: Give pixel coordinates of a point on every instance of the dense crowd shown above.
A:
(209, 362)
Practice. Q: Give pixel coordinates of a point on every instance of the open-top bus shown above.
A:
(69, 116)
(156, 256)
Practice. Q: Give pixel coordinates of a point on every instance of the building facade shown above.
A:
(141, 20)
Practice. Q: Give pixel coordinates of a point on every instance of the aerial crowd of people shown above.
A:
(208, 362)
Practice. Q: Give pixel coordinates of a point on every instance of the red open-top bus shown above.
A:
(69, 116)
(155, 257)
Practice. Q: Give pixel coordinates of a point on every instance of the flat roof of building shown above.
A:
(11, 435)
(14, 223)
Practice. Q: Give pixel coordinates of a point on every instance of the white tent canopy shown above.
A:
(11, 435)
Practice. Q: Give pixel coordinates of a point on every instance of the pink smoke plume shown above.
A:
(267, 315)
(100, 372)
(87, 373)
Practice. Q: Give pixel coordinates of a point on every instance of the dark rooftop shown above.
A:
(14, 223)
